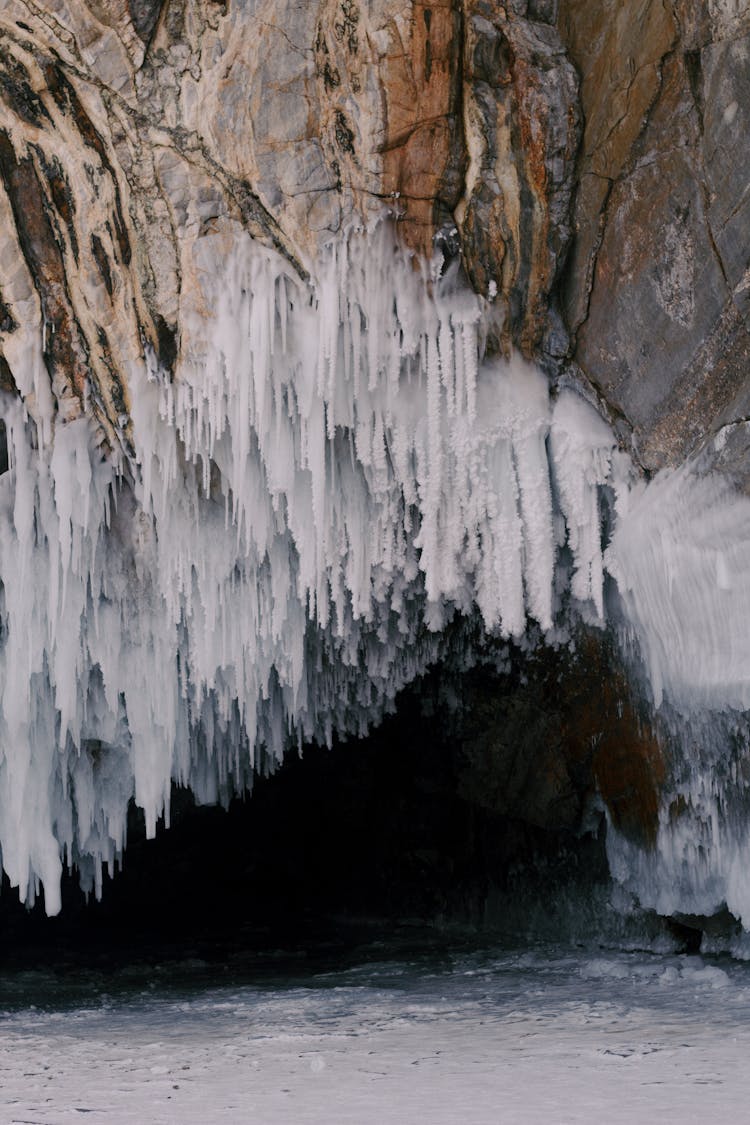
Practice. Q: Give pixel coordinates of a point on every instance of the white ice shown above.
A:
(680, 554)
(574, 1039)
(332, 473)
(681, 557)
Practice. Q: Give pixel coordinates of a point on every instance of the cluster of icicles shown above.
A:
(332, 473)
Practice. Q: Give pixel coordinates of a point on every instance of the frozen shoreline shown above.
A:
(544, 1036)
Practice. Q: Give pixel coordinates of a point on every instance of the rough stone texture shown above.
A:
(522, 129)
(656, 289)
(423, 155)
(492, 131)
(564, 730)
(128, 130)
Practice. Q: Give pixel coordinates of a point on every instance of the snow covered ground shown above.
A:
(467, 1039)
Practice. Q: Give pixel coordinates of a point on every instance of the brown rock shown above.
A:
(618, 52)
(538, 749)
(656, 288)
(423, 153)
(140, 126)
(522, 128)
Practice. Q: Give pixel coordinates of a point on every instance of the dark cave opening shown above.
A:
(484, 783)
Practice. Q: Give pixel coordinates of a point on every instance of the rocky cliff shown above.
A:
(585, 161)
(129, 131)
(656, 284)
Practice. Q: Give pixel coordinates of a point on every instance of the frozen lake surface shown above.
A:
(461, 1038)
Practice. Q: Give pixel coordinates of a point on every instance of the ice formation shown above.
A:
(681, 557)
(332, 473)
(680, 554)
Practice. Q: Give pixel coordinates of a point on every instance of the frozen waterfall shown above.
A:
(332, 473)
(680, 555)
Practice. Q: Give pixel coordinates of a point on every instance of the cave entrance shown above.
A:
(474, 805)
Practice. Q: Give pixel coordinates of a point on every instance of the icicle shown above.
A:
(331, 475)
(582, 446)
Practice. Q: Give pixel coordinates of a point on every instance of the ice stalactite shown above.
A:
(331, 474)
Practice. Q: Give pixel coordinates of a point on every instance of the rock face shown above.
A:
(657, 281)
(540, 746)
(555, 148)
(523, 127)
(130, 130)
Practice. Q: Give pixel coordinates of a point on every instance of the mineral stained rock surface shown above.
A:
(656, 288)
(129, 131)
(587, 161)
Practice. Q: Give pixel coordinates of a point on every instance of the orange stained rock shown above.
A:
(420, 86)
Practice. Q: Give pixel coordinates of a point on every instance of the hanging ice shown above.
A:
(331, 475)
(681, 556)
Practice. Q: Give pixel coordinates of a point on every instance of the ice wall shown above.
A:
(680, 554)
(332, 473)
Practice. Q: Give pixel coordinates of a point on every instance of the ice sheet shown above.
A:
(533, 1038)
